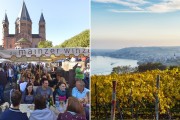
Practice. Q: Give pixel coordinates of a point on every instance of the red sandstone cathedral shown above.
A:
(23, 37)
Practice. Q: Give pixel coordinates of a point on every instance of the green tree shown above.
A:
(80, 40)
(123, 69)
(45, 44)
(56, 46)
(151, 66)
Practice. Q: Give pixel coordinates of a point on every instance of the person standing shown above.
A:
(10, 74)
(1, 67)
(86, 76)
(79, 73)
(3, 82)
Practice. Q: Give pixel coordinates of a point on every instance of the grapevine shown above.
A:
(139, 89)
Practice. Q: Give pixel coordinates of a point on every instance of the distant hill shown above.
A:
(165, 55)
(80, 40)
(139, 53)
(101, 52)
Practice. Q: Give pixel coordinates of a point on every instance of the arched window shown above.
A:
(5, 26)
(41, 26)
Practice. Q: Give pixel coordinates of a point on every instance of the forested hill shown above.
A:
(165, 55)
(80, 40)
(139, 53)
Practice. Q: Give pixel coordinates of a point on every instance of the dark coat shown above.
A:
(3, 78)
(13, 114)
(69, 116)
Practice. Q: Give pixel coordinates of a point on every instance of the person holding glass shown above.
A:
(60, 96)
(74, 111)
(45, 90)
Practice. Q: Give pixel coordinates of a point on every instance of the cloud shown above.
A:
(132, 4)
(165, 6)
(121, 2)
(128, 11)
(138, 1)
(137, 6)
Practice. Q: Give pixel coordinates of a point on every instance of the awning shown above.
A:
(4, 60)
(43, 54)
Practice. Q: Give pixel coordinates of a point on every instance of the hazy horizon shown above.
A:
(129, 47)
(125, 45)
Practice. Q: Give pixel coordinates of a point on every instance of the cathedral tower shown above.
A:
(42, 27)
(5, 29)
(23, 37)
(23, 22)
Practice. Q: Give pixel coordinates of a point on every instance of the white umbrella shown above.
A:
(5, 61)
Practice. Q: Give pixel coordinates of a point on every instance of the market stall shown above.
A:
(43, 54)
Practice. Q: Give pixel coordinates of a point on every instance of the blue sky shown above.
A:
(129, 23)
(64, 18)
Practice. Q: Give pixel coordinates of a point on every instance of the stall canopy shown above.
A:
(43, 54)
(5, 61)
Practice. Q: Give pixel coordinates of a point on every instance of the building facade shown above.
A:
(23, 37)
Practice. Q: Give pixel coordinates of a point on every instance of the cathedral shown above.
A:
(23, 37)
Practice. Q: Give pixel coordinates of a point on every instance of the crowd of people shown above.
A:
(44, 86)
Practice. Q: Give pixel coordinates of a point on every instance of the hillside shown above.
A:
(166, 55)
(101, 52)
(80, 40)
(139, 53)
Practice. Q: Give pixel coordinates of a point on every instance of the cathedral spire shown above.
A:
(42, 18)
(23, 14)
(5, 18)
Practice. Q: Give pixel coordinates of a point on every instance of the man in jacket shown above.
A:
(13, 113)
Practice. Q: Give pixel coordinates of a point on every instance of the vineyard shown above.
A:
(136, 93)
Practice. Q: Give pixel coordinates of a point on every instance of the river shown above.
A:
(103, 65)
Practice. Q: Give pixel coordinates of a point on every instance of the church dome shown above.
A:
(22, 43)
(23, 40)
